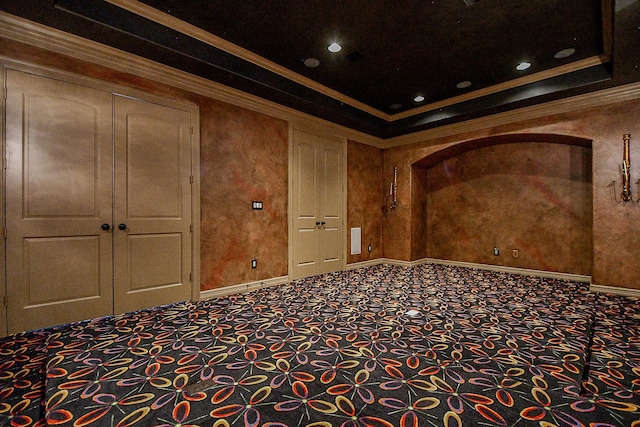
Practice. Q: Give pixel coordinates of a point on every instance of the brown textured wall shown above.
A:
(532, 197)
(364, 199)
(615, 237)
(419, 206)
(397, 226)
(616, 241)
(243, 157)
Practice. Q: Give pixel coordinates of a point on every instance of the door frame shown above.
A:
(322, 133)
(115, 89)
(3, 224)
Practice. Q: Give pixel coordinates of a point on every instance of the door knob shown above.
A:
(122, 227)
(105, 227)
(318, 223)
(323, 223)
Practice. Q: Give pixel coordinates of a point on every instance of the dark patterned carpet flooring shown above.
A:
(379, 346)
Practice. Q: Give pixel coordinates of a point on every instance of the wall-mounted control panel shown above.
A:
(256, 205)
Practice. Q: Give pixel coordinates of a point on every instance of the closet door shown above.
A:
(317, 204)
(58, 197)
(152, 204)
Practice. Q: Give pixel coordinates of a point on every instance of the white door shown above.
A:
(58, 196)
(152, 204)
(317, 205)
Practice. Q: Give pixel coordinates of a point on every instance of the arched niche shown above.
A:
(528, 192)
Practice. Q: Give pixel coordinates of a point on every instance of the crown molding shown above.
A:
(40, 36)
(567, 105)
(511, 84)
(197, 33)
(183, 27)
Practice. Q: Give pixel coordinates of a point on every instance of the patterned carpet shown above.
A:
(481, 349)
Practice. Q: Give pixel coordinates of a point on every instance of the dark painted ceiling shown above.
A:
(391, 51)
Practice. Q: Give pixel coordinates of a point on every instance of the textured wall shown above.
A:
(243, 157)
(616, 241)
(615, 237)
(532, 197)
(365, 198)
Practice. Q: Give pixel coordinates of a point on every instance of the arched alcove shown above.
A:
(530, 193)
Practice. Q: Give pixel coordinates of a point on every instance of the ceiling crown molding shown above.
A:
(43, 37)
(40, 36)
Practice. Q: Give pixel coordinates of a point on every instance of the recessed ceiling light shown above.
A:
(564, 53)
(311, 62)
(523, 66)
(334, 47)
(463, 85)
(419, 98)
(395, 106)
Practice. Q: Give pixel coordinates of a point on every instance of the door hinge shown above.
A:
(4, 232)
(191, 179)
(191, 129)
(191, 228)
(191, 276)
(5, 300)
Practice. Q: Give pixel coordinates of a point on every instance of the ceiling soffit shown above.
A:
(155, 35)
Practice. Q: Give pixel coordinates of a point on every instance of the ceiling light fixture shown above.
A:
(564, 53)
(463, 85)
(523, 66)
(311, 62)
(419, 98)
(334, 47)
(395, 106)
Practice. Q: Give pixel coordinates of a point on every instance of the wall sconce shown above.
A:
(393, 189)
(625, 171)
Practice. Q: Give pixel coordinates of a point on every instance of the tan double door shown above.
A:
(98, 202)
(318, 179)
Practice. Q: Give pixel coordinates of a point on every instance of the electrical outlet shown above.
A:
(496, 251)
(515, 253)
(254, 263)
(369, 248)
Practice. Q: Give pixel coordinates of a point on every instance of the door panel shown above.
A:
(152, 254)
(305, 182)
(50, 281)
(154, 158)
(58, 186)
(331, 207)
(155, 260)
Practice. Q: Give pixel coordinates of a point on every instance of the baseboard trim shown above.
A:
(627, 292)
(512, 270)
(242, 288)
(489, 267)
(362, 264)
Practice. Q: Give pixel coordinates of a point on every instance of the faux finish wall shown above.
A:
(365, 198)
(532, 197)
(229, 133)
(243, 157)
(615, 237)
